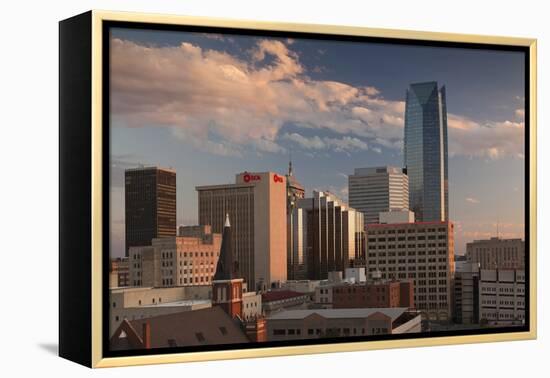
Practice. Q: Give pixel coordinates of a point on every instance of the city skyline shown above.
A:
(336, 118)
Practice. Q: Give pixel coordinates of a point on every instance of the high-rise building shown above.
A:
(497, 253)
(256, 205)
(378, 189)
(294, 192)
(422, 252)
(150, 205)
(328, 236)
(425, 151)
(185, 260)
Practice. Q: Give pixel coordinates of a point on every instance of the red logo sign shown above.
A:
(277, 178)
(249, 177)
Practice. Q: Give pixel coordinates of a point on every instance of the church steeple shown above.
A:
(226, 268)
(227, 288)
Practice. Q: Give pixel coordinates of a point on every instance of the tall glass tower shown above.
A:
(425, 151)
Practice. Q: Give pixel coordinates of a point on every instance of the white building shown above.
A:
(502, 297)
(355, 275)
(378, 189)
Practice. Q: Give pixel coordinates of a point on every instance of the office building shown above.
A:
(421, 252)
(150, 205)
(378, 189)
(426, 153)
(326, 323)
(256, 205)
(502, 297)
(497, 253)
(294, 192)
(330, 234)
(178, 260)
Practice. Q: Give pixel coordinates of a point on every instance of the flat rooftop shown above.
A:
(341, 313)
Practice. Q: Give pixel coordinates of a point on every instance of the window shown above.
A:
(172, 343)
(279, 332)
(223, 330)
(200, 337)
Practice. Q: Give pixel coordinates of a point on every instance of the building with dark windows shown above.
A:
(150, 205)
(329, 236)
(378, 189)
(294, 192)
(425, 151)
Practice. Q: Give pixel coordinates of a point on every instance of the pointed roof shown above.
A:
(226, 269)
(424, 91)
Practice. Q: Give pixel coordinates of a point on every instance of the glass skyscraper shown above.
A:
(425, 151)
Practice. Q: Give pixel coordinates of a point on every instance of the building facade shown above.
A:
(425, 151)
(502, 297)
(176, 261)
(378, 189)
(329, 235)
(294, 191)
(497, 253)
(119, 272)
(256, 205)
(422, 252)
(466, 293)
(150, 205)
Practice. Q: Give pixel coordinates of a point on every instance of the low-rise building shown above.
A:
(283, 299)
(301, 286)
(145, 302)
(209, 326)
(326, 323)
(370, 294)
(355, 275)
(252, 305)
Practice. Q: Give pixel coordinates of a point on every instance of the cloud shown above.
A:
(229, 104)
(520, 113)
(492, 140)
(472, 200)
(345, 144)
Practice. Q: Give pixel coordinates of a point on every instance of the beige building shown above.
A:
(502, 297)
(146, 302)
(119, 272)
(320, 323)
(256, 205)
(497, 253)
(185, 260)
(422, 252)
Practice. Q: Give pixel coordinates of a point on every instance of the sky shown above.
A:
(211, 106)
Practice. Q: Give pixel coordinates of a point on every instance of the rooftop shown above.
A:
(278, 295)
(343, 313)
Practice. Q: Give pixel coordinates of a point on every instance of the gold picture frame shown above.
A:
(89, 329)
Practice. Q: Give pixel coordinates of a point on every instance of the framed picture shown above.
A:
(234, 189)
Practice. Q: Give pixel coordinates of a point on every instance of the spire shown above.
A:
(227, 266)
(290, 164)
